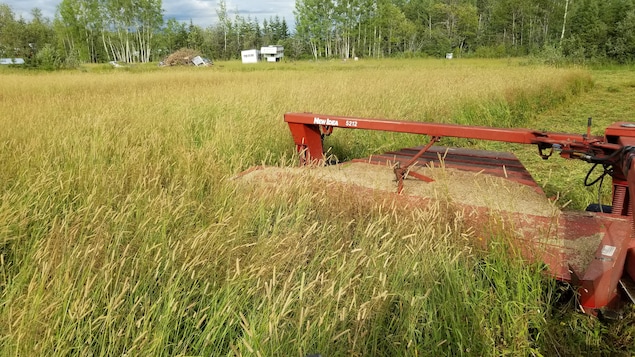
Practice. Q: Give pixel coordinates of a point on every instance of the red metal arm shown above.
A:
(521, 136)
(307, 128)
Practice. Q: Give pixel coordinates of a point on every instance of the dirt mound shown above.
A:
(480, 190)
(182, 57)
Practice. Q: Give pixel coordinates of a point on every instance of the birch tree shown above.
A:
(224, 23)
(125, 28)
(564, 20)
(347, 16)
(147, 21)
(131, 25)
(314, 24)
(80, 24)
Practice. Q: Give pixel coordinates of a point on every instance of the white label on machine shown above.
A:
(608, 250)
(327, 121)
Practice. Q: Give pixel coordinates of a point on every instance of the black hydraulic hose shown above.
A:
(605, 160)
(608, 170)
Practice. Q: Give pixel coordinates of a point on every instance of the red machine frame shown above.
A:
(610, 274)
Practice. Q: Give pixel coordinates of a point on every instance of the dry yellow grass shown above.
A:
(121, 233)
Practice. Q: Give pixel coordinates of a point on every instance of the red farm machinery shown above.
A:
(604, 274)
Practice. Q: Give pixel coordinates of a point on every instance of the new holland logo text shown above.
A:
(329, 122)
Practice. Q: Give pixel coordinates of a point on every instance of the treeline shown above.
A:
(230, 35)
(135, 30)
(578, 28)
(98, 31)
(119, 30)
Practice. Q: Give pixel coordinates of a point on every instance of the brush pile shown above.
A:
(182, 57)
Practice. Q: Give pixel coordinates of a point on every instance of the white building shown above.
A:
(272, 53)
(250, 56)
(12, 61)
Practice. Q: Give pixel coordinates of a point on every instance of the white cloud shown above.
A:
(201, 12)
(23, 8)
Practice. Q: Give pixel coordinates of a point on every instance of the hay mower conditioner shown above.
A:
(604, 274)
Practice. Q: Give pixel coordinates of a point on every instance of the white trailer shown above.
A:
(272, 53)
(12, 61)
(250, 56)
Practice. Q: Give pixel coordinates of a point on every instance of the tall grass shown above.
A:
(123, 232)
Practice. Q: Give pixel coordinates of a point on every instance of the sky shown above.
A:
(201, 12)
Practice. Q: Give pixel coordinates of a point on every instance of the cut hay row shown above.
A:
(466, 188)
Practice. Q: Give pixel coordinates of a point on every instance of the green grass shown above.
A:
(605, 106)
(123, 232)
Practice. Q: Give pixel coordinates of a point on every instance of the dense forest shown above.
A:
(136, 31)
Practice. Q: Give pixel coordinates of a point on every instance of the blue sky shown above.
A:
(201, 12)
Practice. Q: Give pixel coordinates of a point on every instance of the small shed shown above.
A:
(250, 56)
(272, 53)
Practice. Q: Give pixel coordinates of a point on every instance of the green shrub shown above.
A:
(48, 58)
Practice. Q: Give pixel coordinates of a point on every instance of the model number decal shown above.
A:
(329, 122)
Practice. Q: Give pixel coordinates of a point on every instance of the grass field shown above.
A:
(122, 231)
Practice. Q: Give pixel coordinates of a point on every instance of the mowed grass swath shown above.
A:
(123, 232)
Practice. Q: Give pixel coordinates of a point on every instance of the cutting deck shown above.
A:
(500, 164)
(593, 250)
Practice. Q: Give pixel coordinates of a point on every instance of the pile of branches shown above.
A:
(182, 57)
